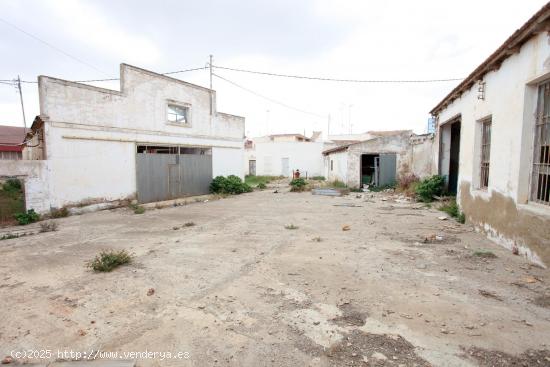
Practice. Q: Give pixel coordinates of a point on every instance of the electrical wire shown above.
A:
(336, 79)
(268, 98)
(52, 46)
(6, 81)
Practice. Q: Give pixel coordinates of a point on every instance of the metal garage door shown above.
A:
(169, 176)
(387, 170)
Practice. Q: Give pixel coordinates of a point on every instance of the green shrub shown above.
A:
(229, 185)
(109, 260)
(12, 185)
(429, 187)
(318, 178)
(26, 218)
(262, 186)
(298, 184)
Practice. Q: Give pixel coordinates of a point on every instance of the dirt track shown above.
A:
(239, 289)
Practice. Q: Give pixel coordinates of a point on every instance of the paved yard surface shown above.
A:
(399, 288)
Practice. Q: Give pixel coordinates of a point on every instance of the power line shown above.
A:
(11, 82)
(270, 99)
(338, 80)
(51, 46)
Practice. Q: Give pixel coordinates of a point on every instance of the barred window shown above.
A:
(540, 185)
(485, 153)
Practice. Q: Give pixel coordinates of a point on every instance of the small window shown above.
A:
(485, 153)
(331, 165)
(178, 114)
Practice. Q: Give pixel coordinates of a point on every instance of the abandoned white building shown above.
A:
(493, 132)
(280, 154)
(157, 138)
(381, 159)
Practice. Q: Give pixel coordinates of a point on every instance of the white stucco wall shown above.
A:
(305, 156)
(339, 169)
(91, 133)
(510, 100)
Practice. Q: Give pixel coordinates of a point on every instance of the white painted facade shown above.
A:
(91, 133)
(510, 100)
(280, 158)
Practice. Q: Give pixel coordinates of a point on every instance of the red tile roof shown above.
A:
(11, 138)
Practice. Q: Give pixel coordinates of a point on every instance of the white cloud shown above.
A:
(86, 24)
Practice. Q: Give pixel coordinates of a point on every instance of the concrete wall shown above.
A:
(422, 162)
(91, 133)
(339, 169)
(504, 211)
(35, 175)
(305, 156)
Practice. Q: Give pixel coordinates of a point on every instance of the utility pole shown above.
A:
(21, 98)
(211, 92)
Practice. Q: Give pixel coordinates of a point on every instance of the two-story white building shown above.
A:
(157, 138)
(493, 133)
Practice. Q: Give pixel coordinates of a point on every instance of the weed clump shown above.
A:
(318, 178)
(485, 254)
(261, 186)
(453, 210)
(48, 227)
(291, 226)
(107, 261)
(231, 185)
(189, 224)
(138, 209)
(298, 185)
(28, 217)
(59, 213)
(429, 187)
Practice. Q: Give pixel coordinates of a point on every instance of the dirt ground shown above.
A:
(399, 288)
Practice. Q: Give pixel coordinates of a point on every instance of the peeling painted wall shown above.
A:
(504, 210)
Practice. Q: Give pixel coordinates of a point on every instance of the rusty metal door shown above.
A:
(169, 176)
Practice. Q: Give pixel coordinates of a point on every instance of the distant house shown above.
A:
(380, 159)
(280, 154)
(156, 138)
(493, 137)
(11, 142)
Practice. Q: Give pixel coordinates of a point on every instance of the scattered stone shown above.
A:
(151, 291)
(346, 227)
(489, 294)
(379, 356)
(7, 360)
(443, 218)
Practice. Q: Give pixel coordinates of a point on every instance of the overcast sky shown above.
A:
(351, 39)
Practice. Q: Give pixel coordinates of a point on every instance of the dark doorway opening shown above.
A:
(454, 157)
(369, 169)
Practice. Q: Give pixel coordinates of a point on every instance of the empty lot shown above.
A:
(399, 288)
